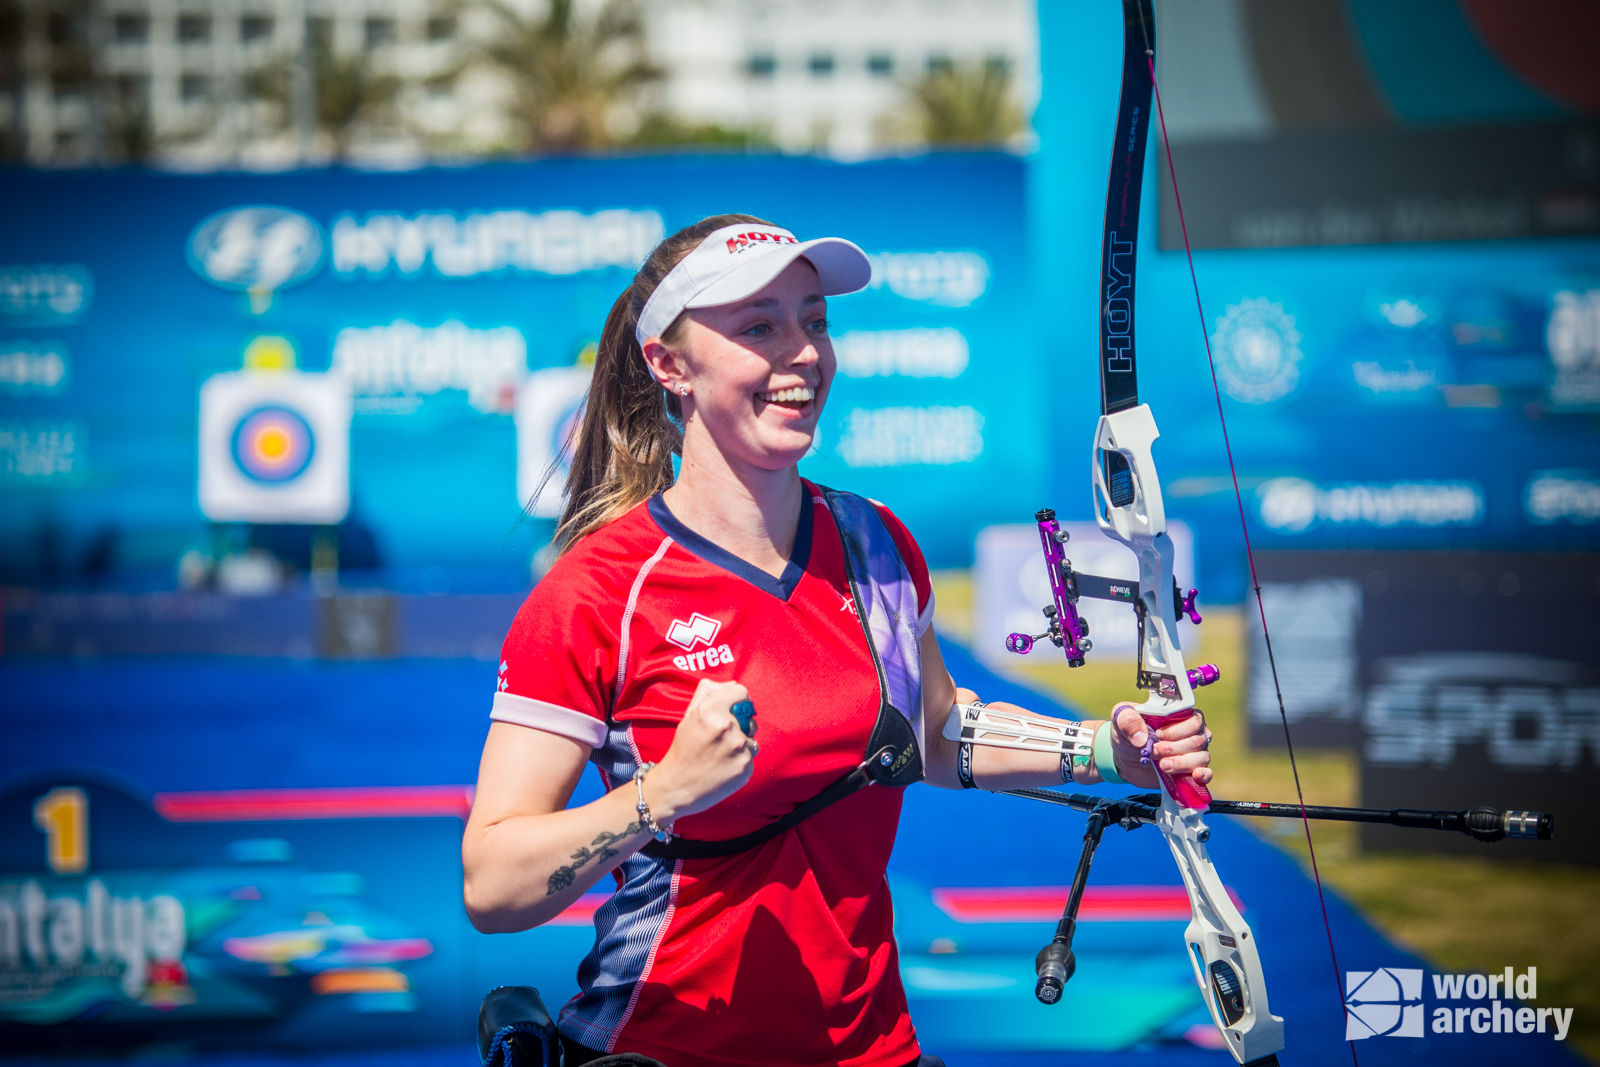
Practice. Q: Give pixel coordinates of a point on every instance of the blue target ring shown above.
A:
(273, 445)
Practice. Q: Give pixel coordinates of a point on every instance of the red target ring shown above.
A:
(273, 445)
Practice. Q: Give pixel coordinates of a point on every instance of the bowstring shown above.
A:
(1244, 526)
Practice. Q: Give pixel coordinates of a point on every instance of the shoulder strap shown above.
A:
(686, 849)
(892, 757)
(890, 629)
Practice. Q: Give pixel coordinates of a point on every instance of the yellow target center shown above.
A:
(272, 445)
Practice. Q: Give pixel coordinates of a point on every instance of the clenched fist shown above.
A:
(710, 757)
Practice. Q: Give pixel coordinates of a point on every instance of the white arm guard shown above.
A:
(1003, 729)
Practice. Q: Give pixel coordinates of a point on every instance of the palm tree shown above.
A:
(661, 130)
(349, 91)
(966, 104)
(13, 77)
(130, 133)
(568, 75)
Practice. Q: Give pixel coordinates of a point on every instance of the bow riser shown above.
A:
(1139, 521)
(1222, 948)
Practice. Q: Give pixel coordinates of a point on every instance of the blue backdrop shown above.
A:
(1386, 397)
(124, 290)
(1431, 396)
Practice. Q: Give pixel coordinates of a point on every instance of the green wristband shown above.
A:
(1104, 762)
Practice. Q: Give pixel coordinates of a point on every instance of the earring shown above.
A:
(683, 390)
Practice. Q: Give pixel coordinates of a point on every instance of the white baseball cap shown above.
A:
(735, 261)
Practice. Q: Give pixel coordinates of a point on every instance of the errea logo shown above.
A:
(700, 630)
(740, 241)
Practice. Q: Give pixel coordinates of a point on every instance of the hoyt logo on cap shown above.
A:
(718, 271)
(740, 241)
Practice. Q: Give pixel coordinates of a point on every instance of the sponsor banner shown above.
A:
(948, 279)
(914, 353)
(936, 436)
(391, 368)
(256, 249)
(1294, 505)
(453, 304)
(1572, 336)
(274, 915)
(1257, 351)
(1377, 397)
(1441, 671)
(44, 294)
(43, 453)
(1563, 496)
(547, 242)
(40, 368)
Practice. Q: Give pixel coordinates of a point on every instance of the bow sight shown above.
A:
(1069, 631)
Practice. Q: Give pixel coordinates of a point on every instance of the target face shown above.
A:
(549, 414)
(273, 445)
(564, 437)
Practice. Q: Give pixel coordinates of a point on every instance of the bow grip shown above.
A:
(1181, 787)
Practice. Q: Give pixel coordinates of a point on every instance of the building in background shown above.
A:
(834, 77)
(209, 84)
(272, 84)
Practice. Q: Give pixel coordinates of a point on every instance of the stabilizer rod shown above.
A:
(1484, 822)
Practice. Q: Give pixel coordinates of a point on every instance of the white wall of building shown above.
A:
(829, 75)
(825, 76)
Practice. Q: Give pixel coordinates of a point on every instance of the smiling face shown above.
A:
(757, 371)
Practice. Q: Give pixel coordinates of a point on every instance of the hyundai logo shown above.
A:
(257, 249)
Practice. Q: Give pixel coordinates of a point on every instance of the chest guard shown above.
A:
(884, 598)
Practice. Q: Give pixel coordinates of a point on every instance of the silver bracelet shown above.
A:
(662, 833)
(1066, 769)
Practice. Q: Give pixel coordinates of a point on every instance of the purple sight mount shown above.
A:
(1066, 630)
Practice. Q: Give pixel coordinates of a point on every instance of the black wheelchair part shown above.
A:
(515, 1030)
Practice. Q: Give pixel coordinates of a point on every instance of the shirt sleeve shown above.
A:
(558, 662)
(914, 563)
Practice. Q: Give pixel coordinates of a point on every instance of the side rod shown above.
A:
(1483, 822)
(1055, 964)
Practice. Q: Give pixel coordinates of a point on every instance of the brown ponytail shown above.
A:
(631, 427)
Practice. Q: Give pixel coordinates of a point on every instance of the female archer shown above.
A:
(752, 923)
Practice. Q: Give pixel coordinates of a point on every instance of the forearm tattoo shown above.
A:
(565, 876)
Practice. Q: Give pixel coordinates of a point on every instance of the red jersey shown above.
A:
(784, 953)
